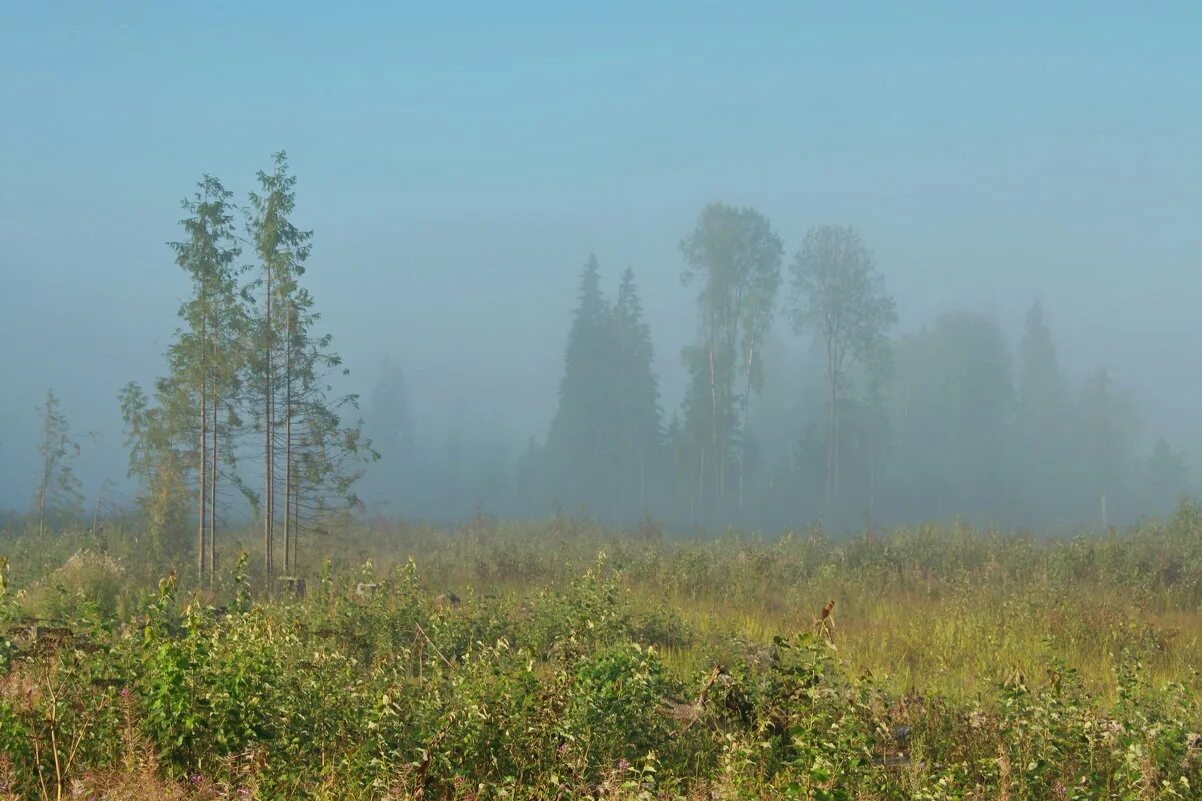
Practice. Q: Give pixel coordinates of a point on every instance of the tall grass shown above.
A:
(561, 659)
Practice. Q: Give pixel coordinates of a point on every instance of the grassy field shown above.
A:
(558, 659)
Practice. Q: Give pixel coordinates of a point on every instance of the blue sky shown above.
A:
(459, 161)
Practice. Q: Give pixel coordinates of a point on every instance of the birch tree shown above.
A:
(734, 258)
(839, 296)
(157, 463)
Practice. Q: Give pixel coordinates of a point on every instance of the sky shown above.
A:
(458, 162)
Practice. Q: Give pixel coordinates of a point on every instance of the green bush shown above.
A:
(596, 665)
(88, 586)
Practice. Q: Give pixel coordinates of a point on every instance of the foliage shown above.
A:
(243, 351)
(839, 295)
(156, 462)
(88, 587)
(734, 256)
(578, 662)
(205, 357)
(603, 444)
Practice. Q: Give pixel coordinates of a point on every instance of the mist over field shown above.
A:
(627, 401)
(1023, 188)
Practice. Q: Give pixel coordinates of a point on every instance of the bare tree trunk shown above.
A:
(288, 523)
(295, 524)
(96, 509)
(713, 410)
(202, 527)
(643, 480)
(268, 444)
(830, 433)
(213, 500)
(746, 407)
(872, 457)
(203, 464)
(728, 351)
(835, 441)
(620, 464)
(42, 495)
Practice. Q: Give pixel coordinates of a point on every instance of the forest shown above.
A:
(743, 598)
(874, 429)
(600, 402)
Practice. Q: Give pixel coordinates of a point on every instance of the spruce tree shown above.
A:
(281, 249)
(637, 397)
(309, 453)
(582, 443)
(204, 357)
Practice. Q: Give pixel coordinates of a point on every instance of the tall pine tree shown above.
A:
(582, 445)
(204, 357)
(310, 456)
(636, 391)
(281, 249)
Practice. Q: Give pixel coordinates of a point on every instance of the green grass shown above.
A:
(585, 662)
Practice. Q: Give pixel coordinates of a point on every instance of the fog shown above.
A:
(458, 167)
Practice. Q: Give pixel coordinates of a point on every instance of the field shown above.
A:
(559, 659)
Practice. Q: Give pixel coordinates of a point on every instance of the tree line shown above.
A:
(870, 428)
